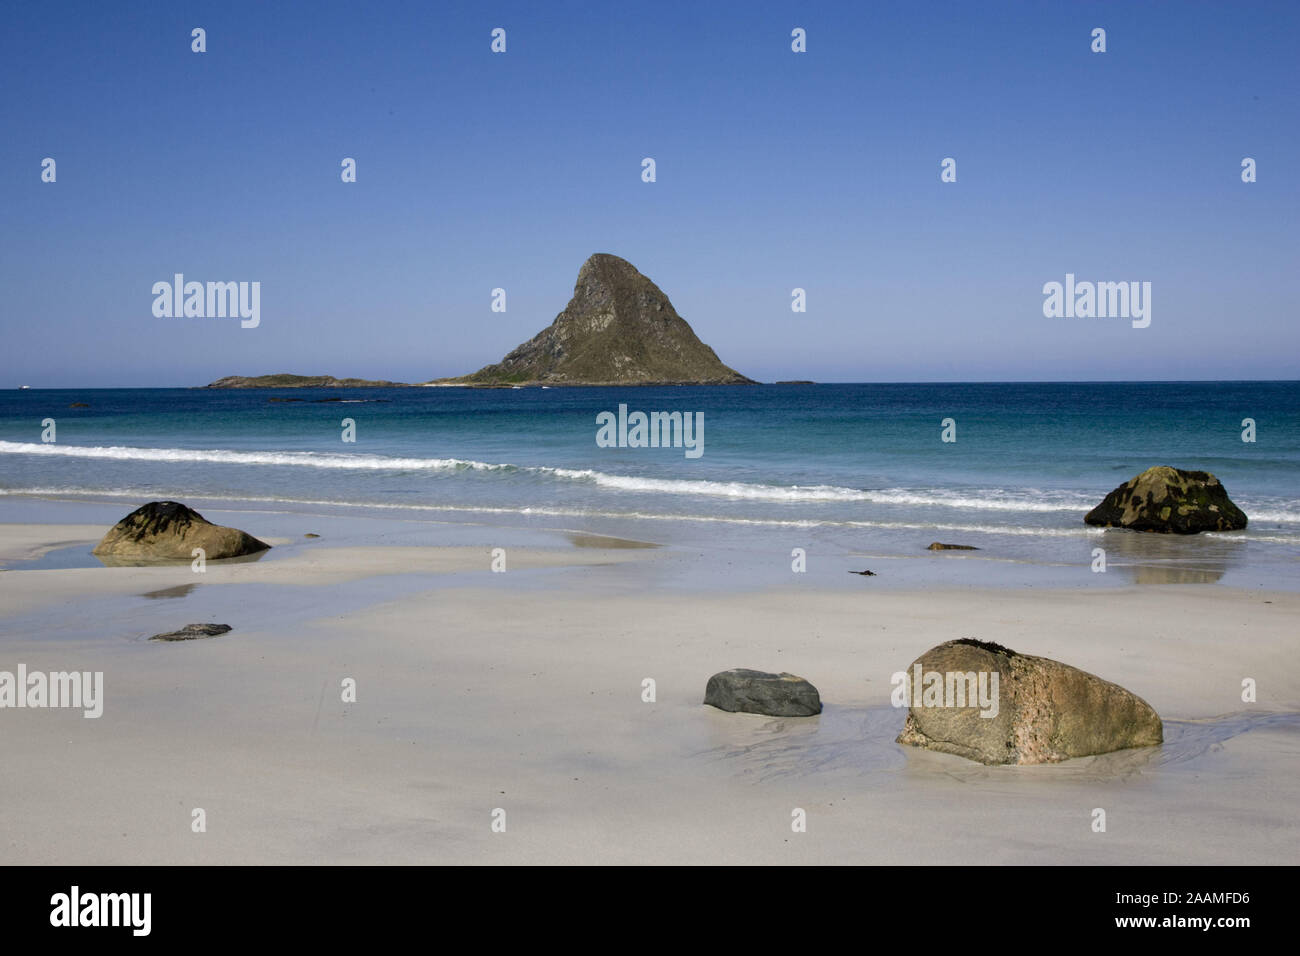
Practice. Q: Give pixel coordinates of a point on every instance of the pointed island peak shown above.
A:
(618, 329)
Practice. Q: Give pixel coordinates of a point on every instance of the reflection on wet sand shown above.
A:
(606, 541)
(862, 739)
(1170, 558)
(179, 591)
(113, 561)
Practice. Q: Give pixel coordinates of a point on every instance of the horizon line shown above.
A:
(267, 388)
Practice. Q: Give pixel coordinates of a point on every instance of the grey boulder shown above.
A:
(757, 692)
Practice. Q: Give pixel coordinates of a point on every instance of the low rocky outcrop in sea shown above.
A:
(988, 703)
(940, 546)
(757, 692)
(193, 632)
(168, 530)
(285, 380)
(1170, 501)
(618, 329)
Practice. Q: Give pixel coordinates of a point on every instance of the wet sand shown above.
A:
(522, 691)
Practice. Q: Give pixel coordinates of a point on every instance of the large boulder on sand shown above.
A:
(1171, 501)
(757, 692)
(168, 530)
(988, 703)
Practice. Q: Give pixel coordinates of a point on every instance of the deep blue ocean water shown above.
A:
(858, 468)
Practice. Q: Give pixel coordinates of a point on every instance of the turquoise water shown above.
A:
(853, 468)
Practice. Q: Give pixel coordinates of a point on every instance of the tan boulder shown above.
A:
(170, 531)
(988, 703)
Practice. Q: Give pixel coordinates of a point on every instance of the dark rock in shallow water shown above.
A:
(192, 632)
(170, 530)
(757, 692)
(1038, 710)
(311, 534)
(865, 574)
(940, 546)
(1169, 501)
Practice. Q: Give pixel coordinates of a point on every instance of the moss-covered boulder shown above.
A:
(1169, 501)
(170, 531)
(985, 702)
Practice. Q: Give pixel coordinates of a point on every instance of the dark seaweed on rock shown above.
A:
(987, 645)
(158, 517)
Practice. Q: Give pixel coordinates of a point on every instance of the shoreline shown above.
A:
(753, 556)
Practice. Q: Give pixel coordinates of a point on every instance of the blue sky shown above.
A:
(775, 170)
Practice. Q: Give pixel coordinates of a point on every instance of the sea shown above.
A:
(847, 474)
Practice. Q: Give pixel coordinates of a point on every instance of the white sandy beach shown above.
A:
(522, 691)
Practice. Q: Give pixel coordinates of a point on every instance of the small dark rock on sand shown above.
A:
(192, 632)
(757, 692)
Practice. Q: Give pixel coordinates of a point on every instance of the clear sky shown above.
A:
(775, 170)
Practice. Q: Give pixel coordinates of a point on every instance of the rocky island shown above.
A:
(618, 329)
(285, 380)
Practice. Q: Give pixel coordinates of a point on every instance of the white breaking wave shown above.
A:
(308, 459)
(756, 492)
(1023, 501)
(135, 494)
(735, 490)
(1283, 517)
